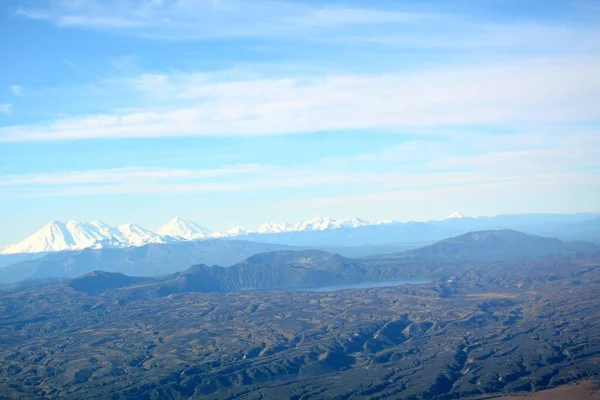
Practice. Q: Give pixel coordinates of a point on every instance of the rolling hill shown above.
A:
(497, 245)
(148, 260)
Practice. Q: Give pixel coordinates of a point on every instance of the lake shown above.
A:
(361, 285)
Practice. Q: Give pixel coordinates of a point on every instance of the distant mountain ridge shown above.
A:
(267, 271)
(498, 244)
(77, 235)
(291, 269)
(320, 231)
(286, 264)
(183, 229)
(99, 281)
(149, 260)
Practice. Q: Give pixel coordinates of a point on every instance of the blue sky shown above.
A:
(239, 112)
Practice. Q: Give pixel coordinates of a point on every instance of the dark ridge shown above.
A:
(99, 281)
(148, 260)
(498, 244)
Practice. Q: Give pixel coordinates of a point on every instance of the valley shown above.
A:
(481, 326)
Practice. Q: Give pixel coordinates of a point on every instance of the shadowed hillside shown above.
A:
(481, 328)
(98, 281)
(148, 260)
(498, 244)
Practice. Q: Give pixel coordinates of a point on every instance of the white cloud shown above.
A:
(556, 149)
(17, 90)
(264, 182)
(6, 108)
(371, 24)
(208, 19)
(127, 175)
(252, 177)
(530, 91)
(476, 198)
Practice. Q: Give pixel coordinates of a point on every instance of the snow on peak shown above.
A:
(455, 215)
(237, 231)
(85, 234)
(56, 236)
(319, 223)
(53, 236)
(184, 229)
(101, 225)
(351, 223)
(274, 227)
(135, 235)
(77, 235)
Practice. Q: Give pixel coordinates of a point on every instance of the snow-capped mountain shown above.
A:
(319, 223)
(53, 236)
(386, 222)
(351, 223)
(135, 235)
(184, 229)
(83, 233)
(233, 232)
(274, 227)
(76, 235)
(56, 236)
(102, 227)
(455, 215)
(237, 231)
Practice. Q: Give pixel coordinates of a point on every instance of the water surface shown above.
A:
(361, 285)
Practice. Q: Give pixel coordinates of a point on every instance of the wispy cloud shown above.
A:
(211, 19)
(390, 24)
(482, 159)
(541, 151)
(136, 180)
(529, 91)
(127, 175)
(6, 108)
(478, 194)
(159, 181)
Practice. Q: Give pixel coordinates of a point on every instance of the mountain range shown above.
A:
(262, 328)
(319, 231)
(73, 235)
(287, 266)
(149, 260)
(77, 235)
(501, 244)
(292, 269)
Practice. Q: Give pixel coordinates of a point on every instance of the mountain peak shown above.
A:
(455, 215)
(101, 225)
(498, 244)
(127, 226)
(274, 227)
(55, 235)
(237, 231)
(318, 223)
(183, 228)
(353, 222)
(54, 223)
(77, 235)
